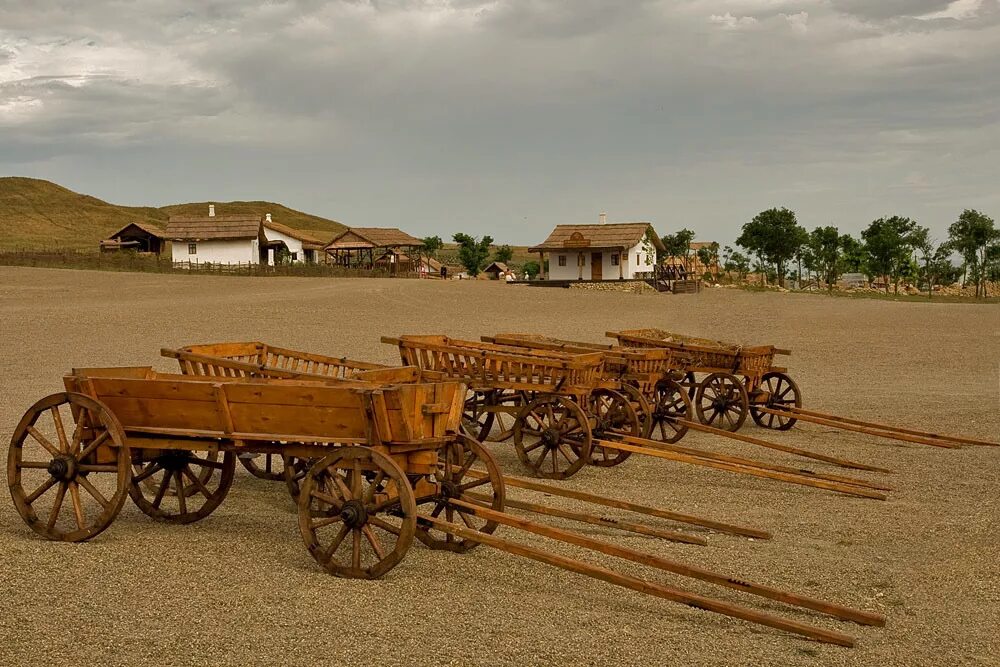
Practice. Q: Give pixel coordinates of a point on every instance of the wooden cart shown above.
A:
(256, 359)
(560, 401)
(726, 381)
(170, 443)
(645, 375)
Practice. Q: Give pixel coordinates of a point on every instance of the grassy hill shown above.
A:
(37, 214)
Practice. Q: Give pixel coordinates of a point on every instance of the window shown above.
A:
(295, 256)
(614, 259)
(192, 248)
(638, 259)
(562, 260)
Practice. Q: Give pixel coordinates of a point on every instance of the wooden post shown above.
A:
(621, 263)
(579, 263)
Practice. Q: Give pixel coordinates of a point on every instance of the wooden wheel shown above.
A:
(477, 420)
(722, 402)
(357, 513)
(195, 489)
(295, 469)
(552, 437)
(458, 476)
(643, 408)
(264, 466)
(782, 393)
(613, 415)
(671, 403)
(68, 485)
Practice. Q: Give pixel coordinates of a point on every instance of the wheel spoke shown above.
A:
(325, 521)
(35, 465)
(374, 541)
(74, 493)
(207, 463)
(60, 431)
(94, 444)
(474, 483)
(151, 469)
(356, 479)
(93, 491)
(56, 506)
(325, 497)
(93, 467)
(356, 549)
(43, 441)
(374, 487)
(197, 482)
(384, 525)
(328, 553)
(160, 492)
(48, 484)
(181, 496)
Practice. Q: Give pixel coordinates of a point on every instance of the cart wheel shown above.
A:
(782, 392)
(294, 472)
(552, 437)
(184, 472)
(671, 403)
(68, 486)
(477, 421)
(264, 466)
(722, 402)
(643, 408)
(357, 513)
(457, 477)
(613, 415)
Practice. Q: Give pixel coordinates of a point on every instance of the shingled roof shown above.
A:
(298, 234)
(611, 235)
(372, 237)
(199, 228)
(149, 229)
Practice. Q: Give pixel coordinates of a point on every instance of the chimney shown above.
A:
(211, 210)
(267, 217)
(604, 218)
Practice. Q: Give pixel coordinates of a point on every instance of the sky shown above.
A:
(507, 117)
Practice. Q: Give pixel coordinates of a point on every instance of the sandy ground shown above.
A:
(239, 588)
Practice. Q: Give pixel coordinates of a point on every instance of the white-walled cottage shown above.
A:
(294, 244)
(605, 251)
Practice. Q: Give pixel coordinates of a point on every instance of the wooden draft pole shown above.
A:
(705, 454)
(593, 519)
(640, 585)
(746, 470)
(583, 496)
(843, 463)
(675, 567)
(885, 429)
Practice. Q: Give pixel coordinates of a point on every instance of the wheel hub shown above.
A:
(450, 489)
(174, 460)
(354, 514)
(62, 468)
(550, 437)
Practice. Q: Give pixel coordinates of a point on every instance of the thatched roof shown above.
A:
(496, 266)
(202, 228)
(611, 235)
(141, 226)
(372, 237)
(306, 238)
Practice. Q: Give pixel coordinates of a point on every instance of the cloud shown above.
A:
(429, 113)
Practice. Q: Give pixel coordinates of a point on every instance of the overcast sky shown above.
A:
(509, 116)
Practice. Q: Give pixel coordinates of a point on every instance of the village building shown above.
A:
(496, 271)
(238, 239)
(605, 251)
(136, 236)
(375, 247)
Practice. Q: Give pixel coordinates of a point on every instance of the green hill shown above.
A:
(37, 214)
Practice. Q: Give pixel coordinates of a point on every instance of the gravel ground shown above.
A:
(239, 588)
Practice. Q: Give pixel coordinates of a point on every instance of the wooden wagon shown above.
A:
(559, 401)
(255, 359)
(644, 375)
(170, 443)
(726, 381)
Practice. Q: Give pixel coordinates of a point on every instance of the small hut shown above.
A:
(497, 271)
(368, 247)
(135, 236)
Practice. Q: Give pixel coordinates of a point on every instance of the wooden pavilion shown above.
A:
(368, 247)
(136, 236)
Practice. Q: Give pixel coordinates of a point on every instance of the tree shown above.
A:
(473, 252)
(431, 245)
(853, 254)
(773, 236)
(531, 269)
(974, 236)
(889, 242)
(825, 250)
(936, 258)
(735, 262)
(679, 245)
(503, 254)
(709, 257)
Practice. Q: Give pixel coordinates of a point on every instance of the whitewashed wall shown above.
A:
(294, 245)
(638, 259)
(217, 251)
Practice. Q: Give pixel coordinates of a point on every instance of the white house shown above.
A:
(615, 251)
(238, 239)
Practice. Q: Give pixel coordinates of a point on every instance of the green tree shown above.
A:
(889, 243)
(531, 269)
(853, 254)
(773, 236)
(735, 262)
(503, 254)
(709, 257)
(431, 245)
(473, 252)
(825, 249)
(974, 236)
(679, 245)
